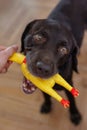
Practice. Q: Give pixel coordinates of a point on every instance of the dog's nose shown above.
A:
(43, 68)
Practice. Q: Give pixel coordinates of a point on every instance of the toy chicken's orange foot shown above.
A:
(65, 103)
(45, 85)
(75, 92)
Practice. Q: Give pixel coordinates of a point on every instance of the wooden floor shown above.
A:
(19, 111)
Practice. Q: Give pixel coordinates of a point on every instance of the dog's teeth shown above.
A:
(28, 81)
(29, 90)
(24, 85)
(28, 87)
(33, 89)
(25, 89)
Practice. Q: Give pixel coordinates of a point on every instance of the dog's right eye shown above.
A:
(39, 39)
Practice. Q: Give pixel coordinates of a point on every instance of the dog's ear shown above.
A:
(26, 31)
(75, 52)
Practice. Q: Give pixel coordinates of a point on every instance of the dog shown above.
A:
(51, 46)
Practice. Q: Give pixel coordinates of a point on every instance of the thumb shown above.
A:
(10, 50)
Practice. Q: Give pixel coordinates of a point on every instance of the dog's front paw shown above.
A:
(45, 108)
(76, 118)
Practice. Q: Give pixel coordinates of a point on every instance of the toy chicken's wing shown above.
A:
(60, 80)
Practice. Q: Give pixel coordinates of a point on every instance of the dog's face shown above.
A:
(47, 45)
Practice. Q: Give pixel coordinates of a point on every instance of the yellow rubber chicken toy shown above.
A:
(46, 85)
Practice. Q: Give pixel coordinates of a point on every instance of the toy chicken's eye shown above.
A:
(39, 39)
(63, 50)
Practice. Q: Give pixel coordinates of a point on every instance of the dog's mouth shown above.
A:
(28, 87)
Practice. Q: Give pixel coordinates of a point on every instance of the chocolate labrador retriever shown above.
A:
(51, 46)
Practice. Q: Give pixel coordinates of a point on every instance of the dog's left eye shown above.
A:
(39, 39)
(63, 50)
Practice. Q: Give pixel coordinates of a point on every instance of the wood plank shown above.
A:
(19, 111)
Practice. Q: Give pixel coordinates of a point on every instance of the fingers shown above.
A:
(5, 53)
(2, 48)
(5, 68)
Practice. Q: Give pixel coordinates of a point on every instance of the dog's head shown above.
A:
(48, 45)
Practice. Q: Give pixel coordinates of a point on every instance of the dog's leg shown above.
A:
(75, 115)
(46, 106)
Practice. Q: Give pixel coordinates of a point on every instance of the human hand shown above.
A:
(5, 53)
